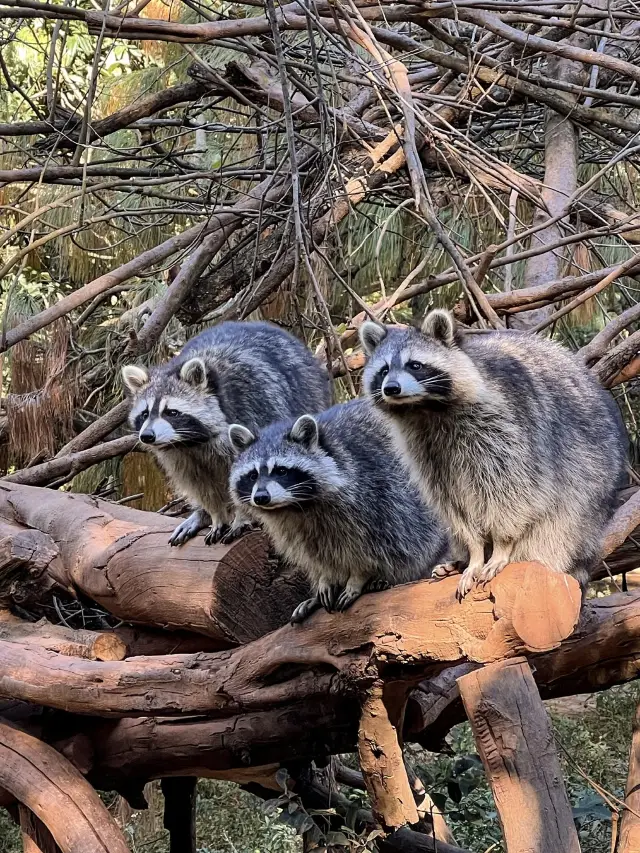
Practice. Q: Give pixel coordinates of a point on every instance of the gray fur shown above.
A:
(250, 372)
(341, 504)
(509, 436)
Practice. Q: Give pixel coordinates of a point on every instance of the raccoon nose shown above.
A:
(148, 436)
(392, 389)
(261, 498)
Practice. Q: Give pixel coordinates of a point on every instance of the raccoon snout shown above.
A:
(392, 389)
(147, 436)
(261, 498)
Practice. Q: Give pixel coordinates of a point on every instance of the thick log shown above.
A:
(180, 813)
(119, 557)
(513, 734)
(56, 793)
(628, 840)
(420, 627)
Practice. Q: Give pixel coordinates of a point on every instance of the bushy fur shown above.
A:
(337, 502)
(250, 372)
(508, 434)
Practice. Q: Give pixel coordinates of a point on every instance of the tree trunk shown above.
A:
(513, 734)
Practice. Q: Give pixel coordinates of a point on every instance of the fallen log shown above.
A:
(45, 782)
(406, 631)
(119, 557)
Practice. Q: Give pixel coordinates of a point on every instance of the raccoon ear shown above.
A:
(194, 372)
(371, 335)
(440, 325)
(134, 378)
(305, 431)
(240, 437)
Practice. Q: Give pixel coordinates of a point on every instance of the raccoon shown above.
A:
(250, 372)
(510, 437)
(337, 503)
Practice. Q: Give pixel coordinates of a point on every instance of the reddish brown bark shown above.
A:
(55, 792)
(281, 667)
(119, 557)
(513, 734)
(628, 839)
(57, 638)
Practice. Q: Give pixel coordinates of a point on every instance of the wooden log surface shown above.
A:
(513, 734)
(41, 779)
(91, 645)
(628, 840)
(36, 838)
(420, 626)
(119, 557)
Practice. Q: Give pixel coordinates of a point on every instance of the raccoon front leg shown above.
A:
(240, 524)
(304, 609)
(327, 595)
(471, 573)
(190, 527)
(500, 557)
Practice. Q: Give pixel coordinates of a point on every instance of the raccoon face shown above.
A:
(283, 468)
(172, 410)
(406, 368)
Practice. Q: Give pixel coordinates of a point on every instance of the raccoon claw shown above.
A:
(466, 583)
(304, 609)
(490, 570)
(378, 585)
(216, 534)
(346, 599)
(186, 530)
(235, 532)
(327, 597)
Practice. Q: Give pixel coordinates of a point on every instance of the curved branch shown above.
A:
(52, 788)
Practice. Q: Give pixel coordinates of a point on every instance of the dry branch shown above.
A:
(40, 778)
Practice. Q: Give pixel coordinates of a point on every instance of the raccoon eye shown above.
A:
(280, 471)
(384, 371)
(414, 365)
(171, 412)
(253, 476)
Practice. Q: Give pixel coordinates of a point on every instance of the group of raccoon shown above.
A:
(489, 448)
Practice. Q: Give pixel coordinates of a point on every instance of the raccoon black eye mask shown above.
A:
(518, 448)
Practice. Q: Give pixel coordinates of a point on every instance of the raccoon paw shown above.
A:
(235, 532)
(346, 598)
(378, 585)
(186, 530)
(327, 596)
(444, 570)
(467, 581)
(491, 569)
(216, 534)
(304, 609)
